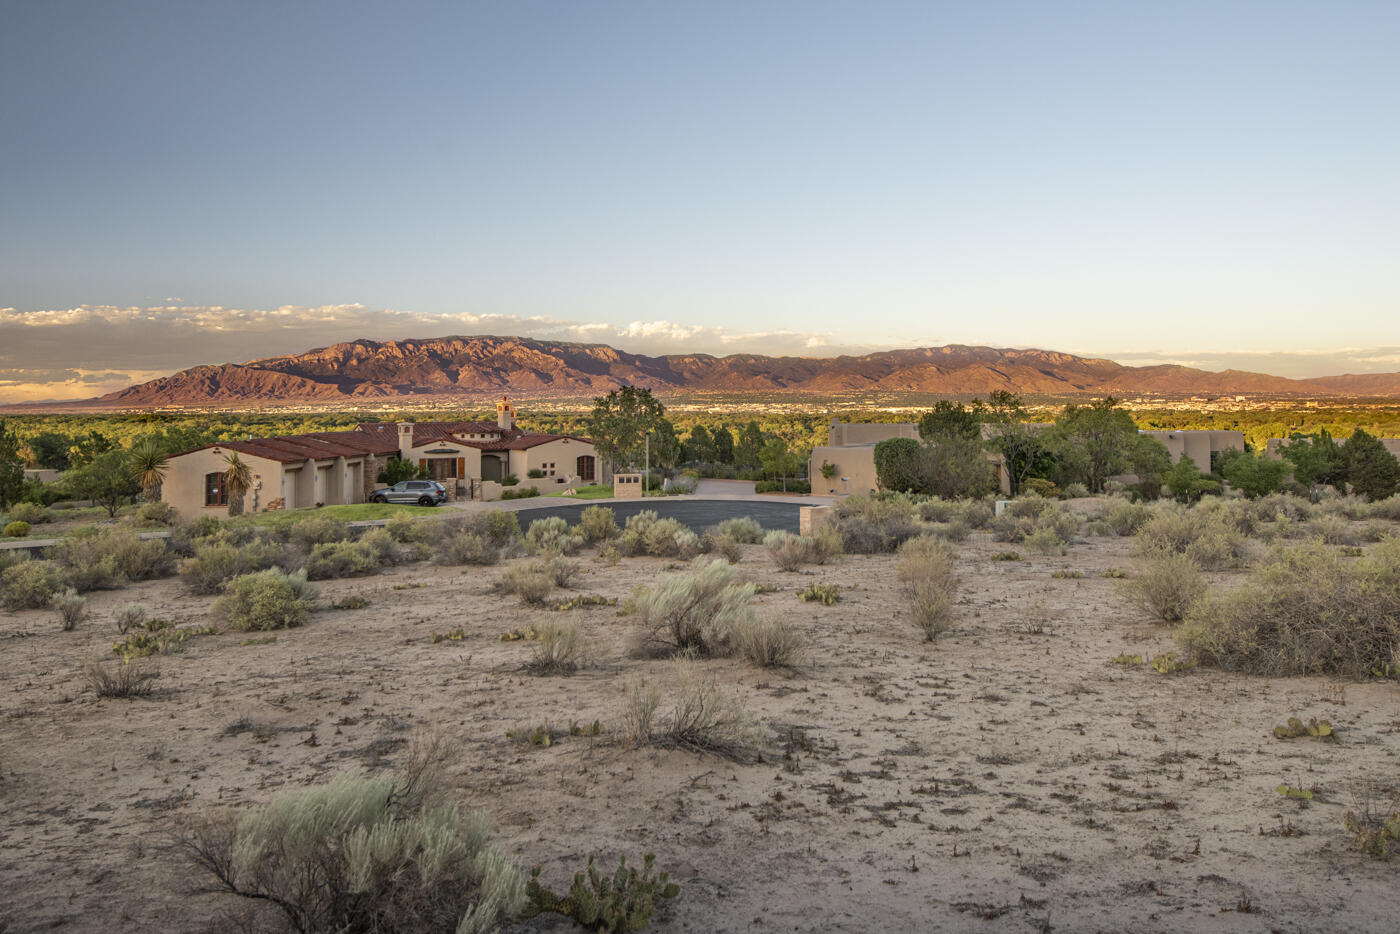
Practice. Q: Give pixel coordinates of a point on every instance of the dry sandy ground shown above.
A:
(1006, 778)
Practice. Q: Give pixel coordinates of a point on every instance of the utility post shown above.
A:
(646, 472)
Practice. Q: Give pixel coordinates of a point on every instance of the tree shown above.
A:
(1150, 461)
(1316, 459)
(49, 450)
(950, 420)
(1096, 441)
(88, 447)
(897, 464)
(773, 457)
(11, 468)
(106, 480)
(1253, 476)
(1024, 448)
(237, 479)
(1186, 481)
(955, 467)
(724, 445)
(665, 446)
(148, 464)
(1371, 470)
(398, 469)
(619, 424)
(699, 447)
(747, 446)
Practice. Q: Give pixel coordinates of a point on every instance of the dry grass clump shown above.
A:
(1166, 586)
(530, 582)
(1333, 530)
(598, 524)
(558, 647)
(1126, 518)
(1307, 610)
(120, 679)
(693, 712)
(270, 599)
(71, 608)
(1388, 508)
(697, 611)
(1212, 541)
(771, 643)
(926, 569)
(1045, 525)
(790, 551)
(28, 584)
(362, 854)
(561, 571)
(725, 546)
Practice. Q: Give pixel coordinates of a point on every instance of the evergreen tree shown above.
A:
(952, 420)
(11, 468)
(724, 445)
(620, 422)
(1371, 470)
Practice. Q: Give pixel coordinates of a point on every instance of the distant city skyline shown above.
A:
(1210, 184)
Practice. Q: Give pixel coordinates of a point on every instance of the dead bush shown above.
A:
(119, 679)
(1166, 586)
(530, 582)
(557, 649)
(1307, 610)
(926, 569)
(562, 571)
(692, 712)
(771, 643)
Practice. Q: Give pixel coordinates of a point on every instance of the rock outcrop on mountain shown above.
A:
(481, 366)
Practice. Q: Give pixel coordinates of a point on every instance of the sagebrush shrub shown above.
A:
(319, 528)
(1306, 610)
(153, 515)
(744, 529)
(770, 643)
(33, 513)
(71, 608)
(875, 525)
(552, 536)
(926, 568)
(216, 562)
(1167, 586)
(403, 528)
(530, 582)
(362, 854)
(561, 571)
(557, 649)
(130, 615)
(696, 611)
(723, 545)
(463, 546)
(29, 584)
(691, 712)
(1211, 541)
(789, 552)
(16, 529)
(270, 599)
(1127, 518)
(598, 524)
(340, 559)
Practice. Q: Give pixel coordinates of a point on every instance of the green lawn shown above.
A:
(595, 491)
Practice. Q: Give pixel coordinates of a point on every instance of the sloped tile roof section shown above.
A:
(322, 445)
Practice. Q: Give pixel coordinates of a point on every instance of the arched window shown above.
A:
(585, 469)
(215, 490)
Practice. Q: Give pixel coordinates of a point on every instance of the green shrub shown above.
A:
(528, 492)
(33, 513)
(363, 854)
(743, 529)
(926, 569)
(875, 525)
(129, 615)
(340, 559)
(270, 599)
(552, 536)
(403, 528)
(1212, 541)
(697, 611)
(153, 515)
(534, 473)
(29, 585)
(155, 637)
(16, 529)
(319, 528)
(1307, 610)
(825, 594)
(789, 552)
(598, 524)
(217, 562)
(70, 607)
(1166, 586)
(667, 538)
(510, 479)
(623, 901)
(1127, 518)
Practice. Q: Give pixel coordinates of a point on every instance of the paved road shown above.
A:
(698, 514)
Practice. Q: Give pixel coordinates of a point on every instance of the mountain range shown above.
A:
(475, 367)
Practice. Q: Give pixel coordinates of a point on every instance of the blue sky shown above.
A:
(1211, 183)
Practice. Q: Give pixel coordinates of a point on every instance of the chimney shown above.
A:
(405, 439)
(505, 415)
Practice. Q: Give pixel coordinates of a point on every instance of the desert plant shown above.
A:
(29, 584)
(697, 715)
(319, 528)
(1209, 537)
(362, 854)
(216, 562)
(556, 650)
(405, 529)
(462, 546)
(1166, 586)
(128, 615)
(742, 529)
(1127, 518)
(926, 569)
(875, 525)
(1374, 826)
(552, 536)
(33, 513)
(71, 608)
(726, 546)
(270, 599)
(624, 901)
(598, 524)
(16, 529)
(825, 594)
(789, 552)
(119, 679)
(561, 571)
(238, 478)
(340, 559)
(530, 582)
(1306, 610)
(770, 643)
(155, 637)
(697, 611)
(153, 515)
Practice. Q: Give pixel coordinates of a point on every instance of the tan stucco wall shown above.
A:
(1198, 445)
(183, 488)
(843, 434)
(855, 470)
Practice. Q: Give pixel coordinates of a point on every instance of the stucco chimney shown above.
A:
(405, 439)
(505, 415)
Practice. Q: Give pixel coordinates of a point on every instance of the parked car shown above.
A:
(419, 492)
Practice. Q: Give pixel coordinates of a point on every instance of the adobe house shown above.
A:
(339, 467)
(850, 450)
(1203, 447)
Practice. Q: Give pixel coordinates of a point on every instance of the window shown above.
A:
(215, 490)
(584, 468)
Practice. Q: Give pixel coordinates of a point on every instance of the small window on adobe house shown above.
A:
(215, 490)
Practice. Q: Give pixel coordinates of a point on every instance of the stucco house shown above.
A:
(850, 449)
(338, 467)
(1203, 446)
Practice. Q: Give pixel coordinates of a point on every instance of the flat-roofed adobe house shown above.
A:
(339, 467)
